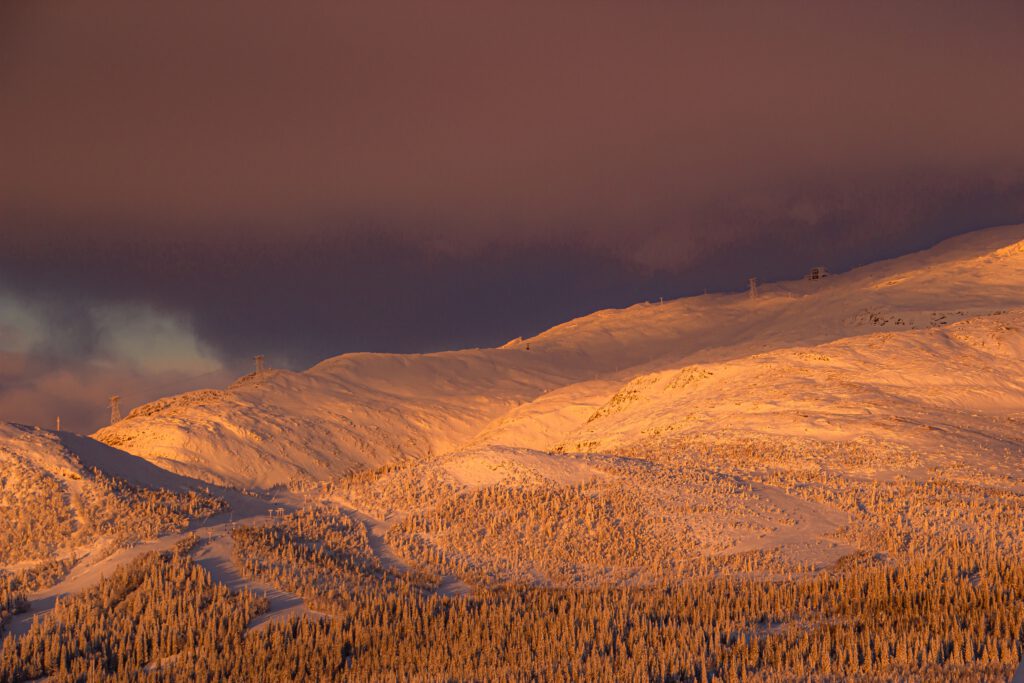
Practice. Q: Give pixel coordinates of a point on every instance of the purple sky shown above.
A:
(184, 184)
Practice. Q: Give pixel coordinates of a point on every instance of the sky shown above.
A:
(186, 184)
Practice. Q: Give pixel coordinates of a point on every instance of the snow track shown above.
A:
(212, 551)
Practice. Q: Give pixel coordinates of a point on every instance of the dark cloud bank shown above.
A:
(306, 180)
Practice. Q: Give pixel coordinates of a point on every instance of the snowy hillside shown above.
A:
(572, 387)
(64, 496)
(956, 388)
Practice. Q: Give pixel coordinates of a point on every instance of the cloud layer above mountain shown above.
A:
(303, 180)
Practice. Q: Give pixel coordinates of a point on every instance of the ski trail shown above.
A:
(213, 552)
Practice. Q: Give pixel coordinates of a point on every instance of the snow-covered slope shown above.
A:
(956, 389)
(345, 413)
(362, 410)
(61, 494)
(76, 457)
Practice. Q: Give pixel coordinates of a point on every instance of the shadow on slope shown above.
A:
(123, 465)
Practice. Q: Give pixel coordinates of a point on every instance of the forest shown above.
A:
(950, 613)
(630, 574)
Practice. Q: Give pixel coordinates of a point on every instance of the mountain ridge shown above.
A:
(365, 410)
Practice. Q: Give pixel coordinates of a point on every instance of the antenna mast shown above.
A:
(115, 409)
(753, 287)
(259, 363)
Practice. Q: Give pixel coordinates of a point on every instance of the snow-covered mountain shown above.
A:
(871, 416)
(922, 350)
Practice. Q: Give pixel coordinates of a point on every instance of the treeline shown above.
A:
(949, 617)
(632, 521)
(43, 515)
